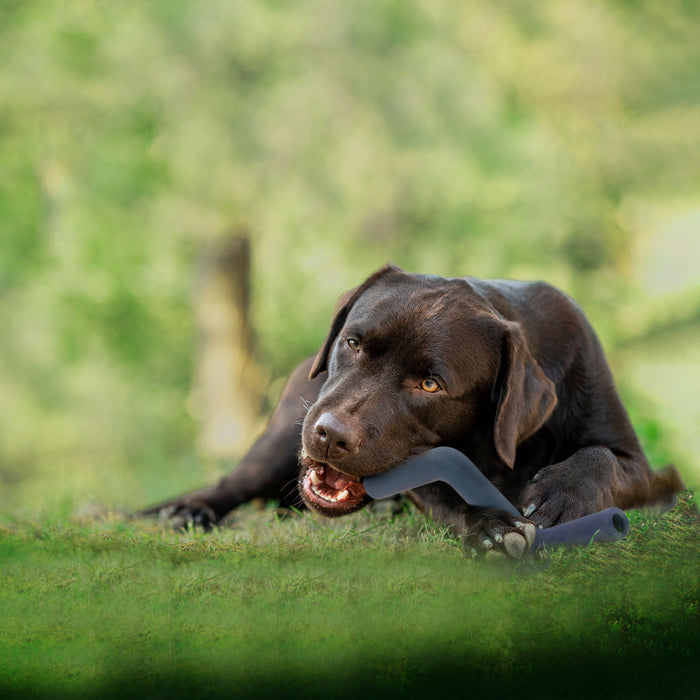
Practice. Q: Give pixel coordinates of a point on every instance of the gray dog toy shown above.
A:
(458, 471)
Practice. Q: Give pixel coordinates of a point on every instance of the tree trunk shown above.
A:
(229, 381)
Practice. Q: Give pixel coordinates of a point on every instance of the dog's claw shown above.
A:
(487, 544)
(185, 517)
(529, 510)
(529, 530)
(514, 544)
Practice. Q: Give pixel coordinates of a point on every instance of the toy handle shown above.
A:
(440, 464)
(608, 525)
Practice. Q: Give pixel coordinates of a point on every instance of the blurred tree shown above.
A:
(524, 139)
(229, 386)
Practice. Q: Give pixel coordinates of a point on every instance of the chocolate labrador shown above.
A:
(509, 373)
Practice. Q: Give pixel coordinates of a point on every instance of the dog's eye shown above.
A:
(354, 344)
(430, 385)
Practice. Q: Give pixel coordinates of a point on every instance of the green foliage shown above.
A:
(548, 140)
(371, 604)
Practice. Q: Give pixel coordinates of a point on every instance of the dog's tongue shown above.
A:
(336, 479)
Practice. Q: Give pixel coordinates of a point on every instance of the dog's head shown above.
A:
(414, 362)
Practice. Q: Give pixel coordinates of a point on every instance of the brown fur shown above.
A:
(524, 391)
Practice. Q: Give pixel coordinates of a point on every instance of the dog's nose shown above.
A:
(335, 438)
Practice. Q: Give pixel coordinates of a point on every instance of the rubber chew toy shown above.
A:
(458, 471)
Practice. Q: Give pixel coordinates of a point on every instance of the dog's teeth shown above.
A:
(342, 495)
(313, 477)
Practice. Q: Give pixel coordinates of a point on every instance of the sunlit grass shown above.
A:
(374, 603)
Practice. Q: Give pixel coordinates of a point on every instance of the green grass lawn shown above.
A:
(368, 606)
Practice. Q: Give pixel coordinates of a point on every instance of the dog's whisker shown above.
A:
(290, 493)
(289, 487)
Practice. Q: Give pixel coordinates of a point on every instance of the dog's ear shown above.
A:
(342, 309)
(526, 395)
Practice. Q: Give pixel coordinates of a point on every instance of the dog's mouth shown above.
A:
(329, 491)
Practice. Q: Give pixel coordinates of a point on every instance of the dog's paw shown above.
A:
(185, 516)
(554, 496)
(497, 535)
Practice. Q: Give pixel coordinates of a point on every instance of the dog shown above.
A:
(509, 373)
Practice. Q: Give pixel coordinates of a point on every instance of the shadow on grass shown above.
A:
(580, 670)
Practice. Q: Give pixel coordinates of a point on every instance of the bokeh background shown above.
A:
(556, 140)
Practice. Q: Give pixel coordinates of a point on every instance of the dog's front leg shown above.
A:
(592, 479)
(269, 470)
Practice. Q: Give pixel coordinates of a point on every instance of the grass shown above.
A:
(372, 605)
